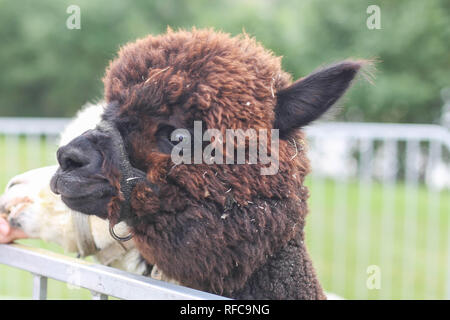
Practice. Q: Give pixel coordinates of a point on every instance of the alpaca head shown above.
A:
(159, 85)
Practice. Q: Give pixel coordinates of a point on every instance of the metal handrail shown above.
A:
(33, 126)
(103, 281)
(382, 131)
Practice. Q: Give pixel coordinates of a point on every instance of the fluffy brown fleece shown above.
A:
(224, 229)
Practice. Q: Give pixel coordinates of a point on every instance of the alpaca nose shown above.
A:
(3, 209)
(71, 158)
(15, 222)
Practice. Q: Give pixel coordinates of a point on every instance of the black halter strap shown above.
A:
(129, 176)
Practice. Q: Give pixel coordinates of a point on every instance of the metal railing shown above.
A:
(102, 281)
(380, 196)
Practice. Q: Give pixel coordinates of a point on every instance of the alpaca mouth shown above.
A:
(75, 188)
(89, 205)
(89, 196)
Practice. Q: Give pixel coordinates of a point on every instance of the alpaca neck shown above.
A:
(288, 274)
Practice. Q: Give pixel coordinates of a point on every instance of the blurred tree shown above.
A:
(49, 70)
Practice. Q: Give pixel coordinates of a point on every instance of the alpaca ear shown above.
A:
(308, 98)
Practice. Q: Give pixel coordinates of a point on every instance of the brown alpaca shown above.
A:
(221, 228)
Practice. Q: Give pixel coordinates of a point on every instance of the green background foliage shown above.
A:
(49, 70)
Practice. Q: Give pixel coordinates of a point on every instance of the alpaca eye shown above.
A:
(177, 137)
(168, 137)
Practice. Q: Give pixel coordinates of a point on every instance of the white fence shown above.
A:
(101, 280)
(379, 205)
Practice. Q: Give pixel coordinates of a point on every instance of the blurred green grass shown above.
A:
(341, 242)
